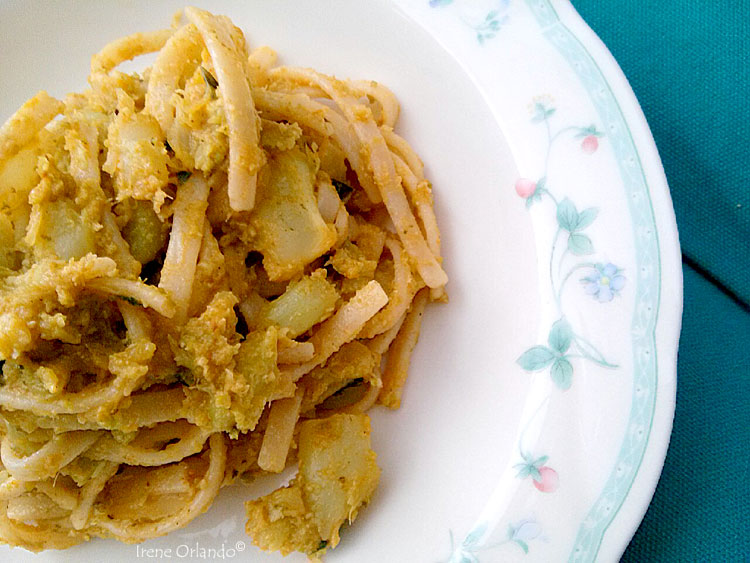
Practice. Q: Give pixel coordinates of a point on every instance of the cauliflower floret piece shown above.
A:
(290, 232)
(280, 521)
(236, 379)
(337, 475)
(305, 303)
(137, 157)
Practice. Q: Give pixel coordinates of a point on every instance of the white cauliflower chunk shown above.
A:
(337, 475)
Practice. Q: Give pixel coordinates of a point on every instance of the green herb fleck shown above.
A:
(183, 176)
(344, 190)
(209, 79)
(185, 377)
(130, 300)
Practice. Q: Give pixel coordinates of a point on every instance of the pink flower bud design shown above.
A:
(549, 481)
(589, 144)
(525, 187)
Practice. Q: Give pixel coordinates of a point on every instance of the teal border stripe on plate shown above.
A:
(648, 276)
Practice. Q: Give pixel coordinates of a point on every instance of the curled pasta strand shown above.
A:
(388, 102)
(56, 534)
(421, 196)
(245, 155)
(404, 289)
(282, 417)
(185, 240)
(179, 57)
(207, 489)
(187, 444)
(80, 515)
(12, 487)
(127, 48)
(402, 149)
(26, 123)
(49, 459)
(397, 362)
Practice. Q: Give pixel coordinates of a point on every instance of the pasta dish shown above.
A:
(209, 271)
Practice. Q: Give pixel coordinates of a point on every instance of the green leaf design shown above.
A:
(560, 336)
(541, 461)
(586, 217)
(567, 216)
(586, 131)
(534, 472)
(562, 373)
(580, 244)
(475, 535)
(541, 113)
(536, 358)
(533, 198)
(523, 545)
(524, 472)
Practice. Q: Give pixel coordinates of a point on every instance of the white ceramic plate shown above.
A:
(539, 407)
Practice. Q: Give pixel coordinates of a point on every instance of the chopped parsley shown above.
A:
(344, 190)
(183, 176)
(209, 79)
(185, 377)
(130, 300)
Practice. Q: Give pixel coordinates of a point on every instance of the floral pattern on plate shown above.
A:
(604, 281)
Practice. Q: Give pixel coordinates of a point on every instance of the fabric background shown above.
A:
(688, 62)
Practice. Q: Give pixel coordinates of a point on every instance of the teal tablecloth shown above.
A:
(688, 62)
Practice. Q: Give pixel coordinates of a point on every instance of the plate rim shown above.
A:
(669, 313)
(664, 332)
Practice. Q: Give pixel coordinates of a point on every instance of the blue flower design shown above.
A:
(604, 282)
(521, 533)
(525, 530)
